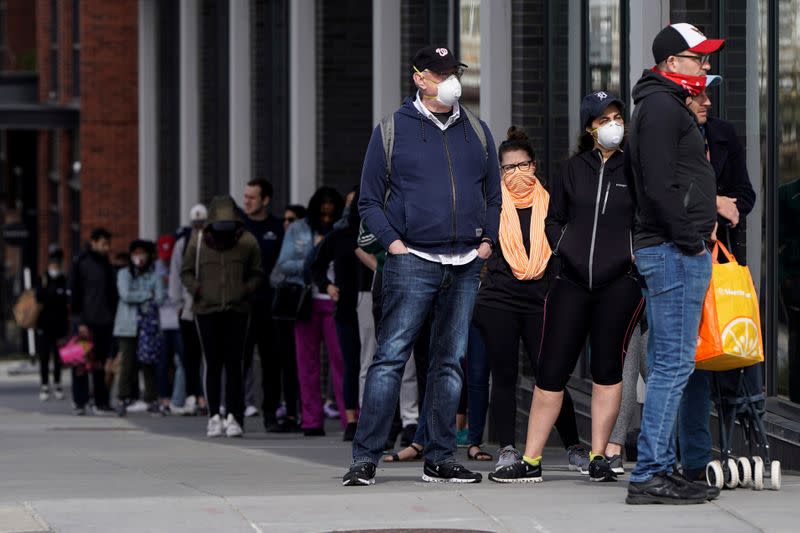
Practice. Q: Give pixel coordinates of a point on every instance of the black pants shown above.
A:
(48, 348)
(502, 331)
(350, 343)
(191, 357)
(608, 315)
(101, 339)
(283, 365)
(261, 334)
(223, 336)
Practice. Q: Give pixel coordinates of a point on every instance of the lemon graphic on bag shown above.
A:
(740, 337)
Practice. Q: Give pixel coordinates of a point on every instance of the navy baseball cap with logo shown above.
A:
(595, 103)
(435, 58)
(682, 37)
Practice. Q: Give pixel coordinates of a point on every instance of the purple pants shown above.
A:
(308, 338)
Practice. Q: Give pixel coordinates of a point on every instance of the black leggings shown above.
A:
(48, 347)
(223, 335)
(608, 315)
(191, 358)
(502, 331)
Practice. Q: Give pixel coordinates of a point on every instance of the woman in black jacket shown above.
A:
(589, 225)
(53, 323)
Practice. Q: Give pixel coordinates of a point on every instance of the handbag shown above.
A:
(27, 310)
(75, 352)
(730, 328)
(150, 342)
(291, 302)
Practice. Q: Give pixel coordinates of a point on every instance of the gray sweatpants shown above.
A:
(635, 366)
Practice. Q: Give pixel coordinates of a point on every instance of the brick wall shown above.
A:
(20, 36)
(109, 119)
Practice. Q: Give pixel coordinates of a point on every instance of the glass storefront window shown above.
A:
(470, 53)
(604, 47)
(788, 200)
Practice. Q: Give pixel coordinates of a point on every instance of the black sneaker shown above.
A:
(360, 474)
(600, 470)
(314, 432)
(449, 473)
(517, 472)
(663, 489)
(350, 432)
(712, 493)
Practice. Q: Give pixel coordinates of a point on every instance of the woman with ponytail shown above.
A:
(596, 293)
(512, 295)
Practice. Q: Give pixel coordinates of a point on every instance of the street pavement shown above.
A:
(143, 473)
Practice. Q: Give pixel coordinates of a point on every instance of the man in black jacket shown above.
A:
(675, 221)
(94, 304)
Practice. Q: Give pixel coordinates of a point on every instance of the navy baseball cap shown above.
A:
(436, 59)
(595, 103)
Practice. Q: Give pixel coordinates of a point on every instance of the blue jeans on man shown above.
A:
(694, 435)
(675, 289)
(412, 289)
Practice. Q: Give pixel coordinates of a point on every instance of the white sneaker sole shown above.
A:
(575, 468)
(618, 471)
(361, 482)
(519, 480)
(234, 434)
(428, 479)
(213, 434)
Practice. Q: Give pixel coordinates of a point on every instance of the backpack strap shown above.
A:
(197, 256)
(475, 122)
(387, 134)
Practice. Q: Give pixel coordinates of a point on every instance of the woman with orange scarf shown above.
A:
(512, 294)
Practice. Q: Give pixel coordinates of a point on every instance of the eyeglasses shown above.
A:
(525, 165)
(289, 219)
(702, 59)
(457, 73)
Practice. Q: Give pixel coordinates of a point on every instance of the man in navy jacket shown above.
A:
(437, 212)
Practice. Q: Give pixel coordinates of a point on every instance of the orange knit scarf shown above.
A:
(521, 190)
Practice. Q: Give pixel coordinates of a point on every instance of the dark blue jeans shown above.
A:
(412, 289)
(694, 435)
(477, 385)
(676, 287)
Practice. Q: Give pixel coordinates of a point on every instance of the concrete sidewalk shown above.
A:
(142, 473)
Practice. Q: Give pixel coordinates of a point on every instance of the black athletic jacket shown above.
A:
(674, 182)
(590, 219)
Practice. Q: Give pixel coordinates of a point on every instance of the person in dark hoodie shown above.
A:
(53, 323)
(589, 224)
(221, 270)
(435, 207)
(675, 223)
(94, 303)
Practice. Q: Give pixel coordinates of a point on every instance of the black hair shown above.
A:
(585, 142)
(148, 246)
(355, 217)
(516, 139)
(324, 195)
(99, 233)
(297, 209)
(263, 185)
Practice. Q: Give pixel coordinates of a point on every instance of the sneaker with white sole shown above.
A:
(359, 475)
(507, 456)
(137, 407)
(250, 410)
(616, 464)
(578, 458)
(449, 473)
(518, 472)
(232, 427)
(44, 393)
(214, 427)
(189, 406)
(58, 393)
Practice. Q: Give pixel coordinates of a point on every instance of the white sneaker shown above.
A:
(214, 428)
(137, 407)
(251, 410)
(189, 406)
(58, 393)
(44, 393)
(232, 427)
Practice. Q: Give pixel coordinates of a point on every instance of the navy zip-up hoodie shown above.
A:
(437, 202)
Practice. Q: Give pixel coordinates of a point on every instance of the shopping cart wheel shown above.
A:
(758, 473)
(775, 475)
(731, 474)
(745, 472)
(714, 474)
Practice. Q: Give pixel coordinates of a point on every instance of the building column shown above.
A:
(148, 119)
(575, 66)
(495, 20)
(302, 101)
(240, 137)
(386, 96)
(189, 107)
(646, 20)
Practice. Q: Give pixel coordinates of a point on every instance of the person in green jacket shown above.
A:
(221, 269)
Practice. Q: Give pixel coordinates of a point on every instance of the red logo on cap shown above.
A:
(442, 51)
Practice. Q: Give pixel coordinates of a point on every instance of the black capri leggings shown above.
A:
(607, 314)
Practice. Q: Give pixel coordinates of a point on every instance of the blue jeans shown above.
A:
(412, 289)
(676, 286)
(478, 385)
(694, 435)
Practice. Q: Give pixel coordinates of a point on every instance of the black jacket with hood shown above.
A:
(590, 219)
(673, 180)
(94, 290)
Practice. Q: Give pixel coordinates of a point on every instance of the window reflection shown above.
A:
(604, 51)
(470, 52)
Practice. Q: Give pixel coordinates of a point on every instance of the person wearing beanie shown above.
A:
(676, 219)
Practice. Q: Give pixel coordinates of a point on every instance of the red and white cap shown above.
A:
(682, 37)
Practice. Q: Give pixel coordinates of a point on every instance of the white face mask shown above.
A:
(609, 135)
(53, 272)
(449, 91)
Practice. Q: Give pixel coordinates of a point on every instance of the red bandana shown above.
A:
(693, 84)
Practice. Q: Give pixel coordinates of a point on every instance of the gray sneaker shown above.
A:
(507, 456)
(578, 457)
(616, 464)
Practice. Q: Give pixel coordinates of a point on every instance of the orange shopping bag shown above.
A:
(730, 328)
